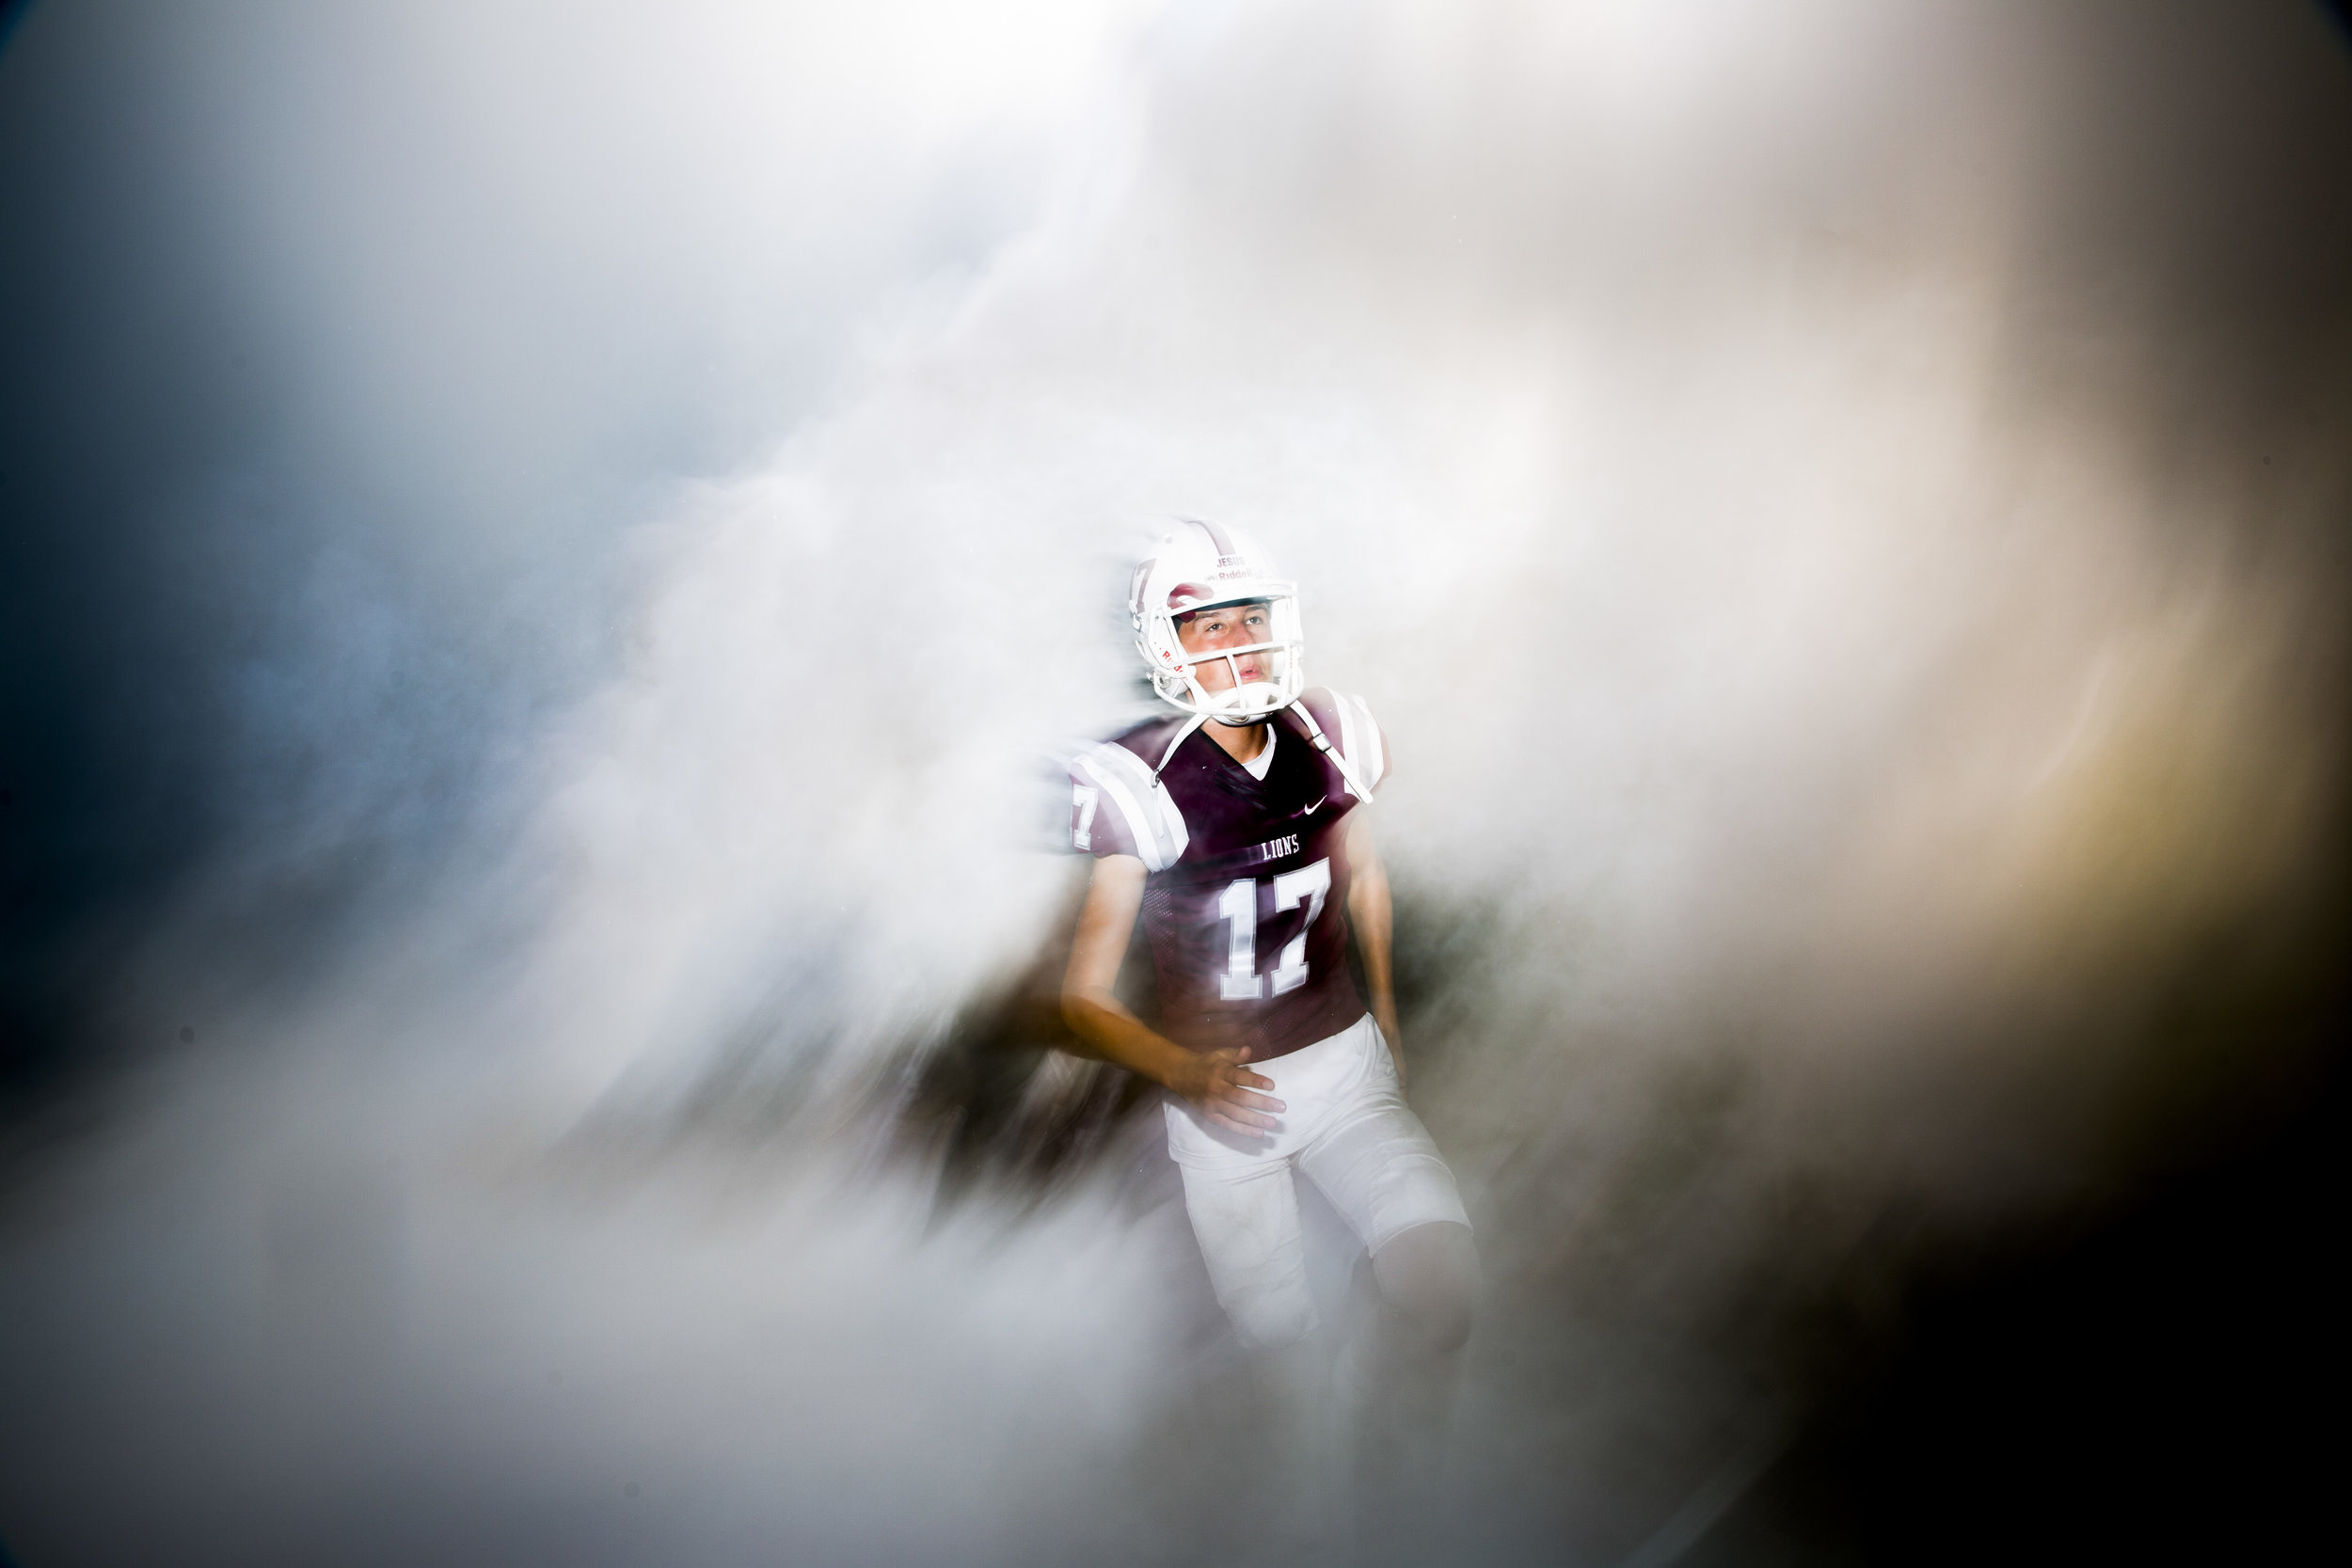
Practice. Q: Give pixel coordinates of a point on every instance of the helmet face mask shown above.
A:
(1195, 572)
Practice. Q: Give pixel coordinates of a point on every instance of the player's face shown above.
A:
(1231, 626)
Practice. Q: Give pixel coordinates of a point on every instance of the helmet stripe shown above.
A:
(1216, 537)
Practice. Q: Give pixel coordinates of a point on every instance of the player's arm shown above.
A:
(1215, 1081)
(1373, 921)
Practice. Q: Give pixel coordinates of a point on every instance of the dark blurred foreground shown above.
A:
(2143, 1371)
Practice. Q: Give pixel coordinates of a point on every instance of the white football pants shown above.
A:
(1346, 1125)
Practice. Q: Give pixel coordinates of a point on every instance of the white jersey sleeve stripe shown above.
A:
(1139, 825)
(1156, 799)
(1152, 819)
(1347, 707)
(1373, 761)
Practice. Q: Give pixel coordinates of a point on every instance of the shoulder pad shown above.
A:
(1348, 725)
(1117, 807)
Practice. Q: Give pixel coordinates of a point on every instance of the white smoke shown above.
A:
(1805, 685)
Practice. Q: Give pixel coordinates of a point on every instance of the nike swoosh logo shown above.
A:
(1310, 810)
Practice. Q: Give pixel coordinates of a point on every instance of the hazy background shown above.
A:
(544, 549)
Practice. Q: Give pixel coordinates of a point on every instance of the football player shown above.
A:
(1236, 830)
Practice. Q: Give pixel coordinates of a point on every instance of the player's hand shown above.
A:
(1226, 1091)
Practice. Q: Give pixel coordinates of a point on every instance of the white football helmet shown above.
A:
(1197, 567)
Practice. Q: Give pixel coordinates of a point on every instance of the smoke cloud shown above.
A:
(1839, 510)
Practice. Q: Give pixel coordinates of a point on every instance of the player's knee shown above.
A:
(1428, 1281)
(1277, 1328)
(1274, 1319)
(1438, 1321)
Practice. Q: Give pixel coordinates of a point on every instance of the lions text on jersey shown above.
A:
(1245, 903)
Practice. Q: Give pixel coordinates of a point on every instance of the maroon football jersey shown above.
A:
(1245, 901)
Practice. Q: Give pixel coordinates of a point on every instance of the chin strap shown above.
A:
(1316, 735)
(1193, 723)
